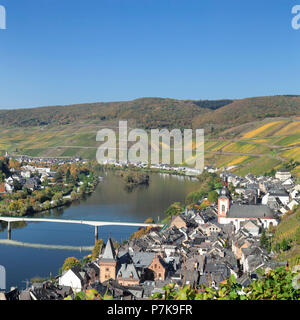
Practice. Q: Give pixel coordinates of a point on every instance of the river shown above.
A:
(48, 244)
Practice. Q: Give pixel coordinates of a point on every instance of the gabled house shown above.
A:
(159, 268)
(74, 278)
(178, 222)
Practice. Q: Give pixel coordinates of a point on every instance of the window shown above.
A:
(107, 269)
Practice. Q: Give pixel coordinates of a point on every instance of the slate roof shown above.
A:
(109, 254)
(250, 211)
(128, 271)
(142, 259)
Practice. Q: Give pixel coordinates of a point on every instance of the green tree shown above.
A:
(213, 197)
(58, 198)
(68, 175)
(263, 238)
(284, 245)
(97, 249)
(17, 185)
(70, 263)
(174, 209)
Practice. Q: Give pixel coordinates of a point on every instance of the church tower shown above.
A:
(108, 263)
(223, 204)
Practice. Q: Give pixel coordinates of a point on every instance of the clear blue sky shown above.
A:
(65, 51)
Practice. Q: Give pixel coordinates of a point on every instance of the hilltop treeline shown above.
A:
(147, 113)
(151, 113)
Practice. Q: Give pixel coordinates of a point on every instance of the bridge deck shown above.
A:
(86, 222)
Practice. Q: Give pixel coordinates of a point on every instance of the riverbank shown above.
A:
(68, 184)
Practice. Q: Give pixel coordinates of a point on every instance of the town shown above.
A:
(202, 245)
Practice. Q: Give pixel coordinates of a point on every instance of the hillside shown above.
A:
(248, 110)
(289, 230)
(158, 112)
(253, 135)
(147, 113)
(268, 145)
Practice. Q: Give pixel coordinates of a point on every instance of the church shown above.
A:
(238, 213)
(123, 270)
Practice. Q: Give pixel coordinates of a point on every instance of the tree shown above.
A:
(149, 220)
(68, 175)
(213, 197)
(97, 249)
(17, 185)
(263, 238)
(58, 176)
(284, 245)
(58, 198)
(70, 263)
(194, 197)
(174, 209)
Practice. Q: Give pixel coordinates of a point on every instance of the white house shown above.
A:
(283, 175)
(282, 195)
(73, 278)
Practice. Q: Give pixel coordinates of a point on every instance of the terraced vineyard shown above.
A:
(259, 150)
(255, 146)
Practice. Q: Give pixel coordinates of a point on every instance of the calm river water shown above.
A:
(109, 202)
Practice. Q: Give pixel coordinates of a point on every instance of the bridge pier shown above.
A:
(9, 230)
(96, 234)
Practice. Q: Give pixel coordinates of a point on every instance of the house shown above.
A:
(9, 188)
(239, 242)
(253, 258)
(127, 275)
(283, 175)
(281, 194)
(74, 278)
(251, 227)
(159, 268)
(178, 222)
(209, 228)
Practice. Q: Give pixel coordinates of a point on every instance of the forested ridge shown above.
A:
(158, 112)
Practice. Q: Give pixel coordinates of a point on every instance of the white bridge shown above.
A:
(95, 224)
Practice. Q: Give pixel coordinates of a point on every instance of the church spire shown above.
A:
(109, 252)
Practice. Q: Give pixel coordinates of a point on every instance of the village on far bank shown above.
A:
(201, 245)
